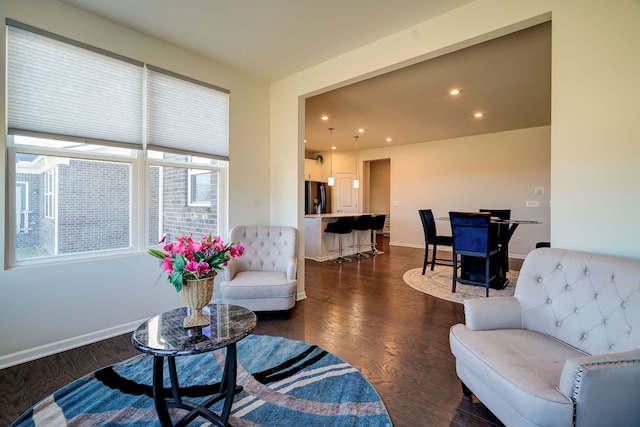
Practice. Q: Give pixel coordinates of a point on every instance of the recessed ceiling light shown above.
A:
(333, 148)
(361, 130)
(388, 139)
(325, 117)
(478, 115)
(455, 91)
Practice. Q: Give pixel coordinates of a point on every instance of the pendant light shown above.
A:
(331, 180)
(356, 182)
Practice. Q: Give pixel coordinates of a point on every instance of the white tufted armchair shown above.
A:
(265, 277)
(564, 350)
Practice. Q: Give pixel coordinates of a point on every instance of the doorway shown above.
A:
(377, 190)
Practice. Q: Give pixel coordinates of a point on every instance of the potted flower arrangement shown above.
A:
(191, 267)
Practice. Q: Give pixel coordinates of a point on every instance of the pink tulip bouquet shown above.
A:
(188, 259)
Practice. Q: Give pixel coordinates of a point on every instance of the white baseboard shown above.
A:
(67, 344)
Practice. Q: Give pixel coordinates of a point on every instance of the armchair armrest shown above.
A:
(230, 270)
(292, 269)
(604, 388)
(482, 314)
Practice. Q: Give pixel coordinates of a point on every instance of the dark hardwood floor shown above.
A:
(362, 312)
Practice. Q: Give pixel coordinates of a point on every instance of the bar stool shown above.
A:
(377, 224)
(344, 225)
(361, 223)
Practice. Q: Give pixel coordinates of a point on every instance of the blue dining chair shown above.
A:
(472, 238)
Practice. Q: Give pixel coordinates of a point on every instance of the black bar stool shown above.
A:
(344, 225)
(377, 224)
(361, 223)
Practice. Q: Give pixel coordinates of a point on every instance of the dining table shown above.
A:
(471, 269)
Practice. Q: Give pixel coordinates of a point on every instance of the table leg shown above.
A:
(228, 383)
(158, 388)
(226, 392)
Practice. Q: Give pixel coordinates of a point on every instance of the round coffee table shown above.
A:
(164, 337)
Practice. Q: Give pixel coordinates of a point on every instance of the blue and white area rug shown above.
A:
(286, 383)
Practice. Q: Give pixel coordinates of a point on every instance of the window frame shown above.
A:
(223, 202)
(139, 162)
(49, 193)
(191, 174)
(17, 228)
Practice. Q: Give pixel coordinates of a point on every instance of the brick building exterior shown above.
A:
(93, 207)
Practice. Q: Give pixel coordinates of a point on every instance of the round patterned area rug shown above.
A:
(285, 383)
(437, 283)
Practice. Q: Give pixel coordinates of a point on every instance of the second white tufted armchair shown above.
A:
(564, 350)
(265, 277)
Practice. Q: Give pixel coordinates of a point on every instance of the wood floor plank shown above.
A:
(362, 312)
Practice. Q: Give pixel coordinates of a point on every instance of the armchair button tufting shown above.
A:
(568, 288)
(549, 301)
(540, 279)
(611, 347)
(584, 336)
(577, 310)
(587, 273)
(558, 323)
(559, 266)
(596, 296)
(624, 304)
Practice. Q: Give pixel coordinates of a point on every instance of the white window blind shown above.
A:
(186, 116)
(59, 88)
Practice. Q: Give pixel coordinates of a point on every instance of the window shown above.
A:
(78, 172)
(22, 207)
(49, 196)
(170, 207)
(199, 187)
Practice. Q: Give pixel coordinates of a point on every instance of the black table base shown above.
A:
(473, 269)
(227, 390)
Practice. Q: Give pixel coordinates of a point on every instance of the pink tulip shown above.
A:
(166, 265)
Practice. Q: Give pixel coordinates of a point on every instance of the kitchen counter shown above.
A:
(321, 246)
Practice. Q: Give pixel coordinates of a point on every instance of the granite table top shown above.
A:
(164, 335)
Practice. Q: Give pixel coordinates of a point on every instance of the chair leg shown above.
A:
(426, 258)
(433, 256)
(466, 390)
(358, 254)
(487, 277)
(374, 250)
(340, 259)
(455, 273)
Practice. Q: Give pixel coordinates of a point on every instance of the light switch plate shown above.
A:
(533, 203)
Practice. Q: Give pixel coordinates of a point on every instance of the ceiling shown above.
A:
(508, 79)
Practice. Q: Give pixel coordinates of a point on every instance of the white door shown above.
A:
(346, 196)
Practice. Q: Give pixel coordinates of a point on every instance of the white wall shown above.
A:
(596, 132)
(48, 308)
(499, 171)
(594, 148)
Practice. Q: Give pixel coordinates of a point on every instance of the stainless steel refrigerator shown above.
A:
(316, 194)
